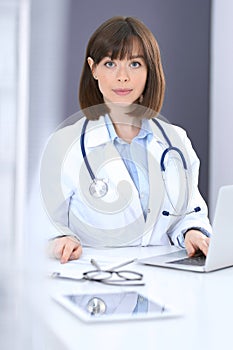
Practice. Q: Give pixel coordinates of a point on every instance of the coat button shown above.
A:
(148, 210)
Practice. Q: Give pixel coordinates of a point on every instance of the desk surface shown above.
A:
(204, 299)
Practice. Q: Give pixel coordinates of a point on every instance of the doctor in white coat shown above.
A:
(116, 177)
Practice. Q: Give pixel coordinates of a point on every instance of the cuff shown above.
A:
(51, 239)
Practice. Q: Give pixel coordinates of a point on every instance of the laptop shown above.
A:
(220, 253)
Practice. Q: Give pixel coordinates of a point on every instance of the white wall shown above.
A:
(221, 102)
(48, 54)
(8, 115)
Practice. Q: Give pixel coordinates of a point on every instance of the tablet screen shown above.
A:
(122, 305)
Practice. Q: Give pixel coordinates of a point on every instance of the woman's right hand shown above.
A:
(65, 248)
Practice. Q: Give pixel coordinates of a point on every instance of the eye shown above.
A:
(109, 64)
(135, 64)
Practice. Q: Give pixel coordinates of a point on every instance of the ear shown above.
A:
(91, 63)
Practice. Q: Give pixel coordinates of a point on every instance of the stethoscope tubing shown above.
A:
(165, 152)
(82, 144)
(162, 163)
(170, 148)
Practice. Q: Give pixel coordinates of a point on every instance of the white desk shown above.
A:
(206, 301)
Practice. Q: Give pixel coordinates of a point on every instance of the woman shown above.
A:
(122, 87)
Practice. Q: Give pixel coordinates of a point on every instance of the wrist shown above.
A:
(200, 229)
(192, 229)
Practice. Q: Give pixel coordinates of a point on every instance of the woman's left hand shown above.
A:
(195, 240)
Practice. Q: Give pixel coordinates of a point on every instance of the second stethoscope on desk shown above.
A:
(99, 187)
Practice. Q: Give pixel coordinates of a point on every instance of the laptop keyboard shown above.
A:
(197, 260)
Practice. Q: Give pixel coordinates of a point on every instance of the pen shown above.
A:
(94, 263)
(123, 264)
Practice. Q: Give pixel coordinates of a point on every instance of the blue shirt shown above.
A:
(134, 156)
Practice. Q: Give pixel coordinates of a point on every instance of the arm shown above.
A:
(64, 244)
(193, 230)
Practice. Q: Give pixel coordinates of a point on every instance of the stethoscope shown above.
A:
(96, 306)
(99, 187)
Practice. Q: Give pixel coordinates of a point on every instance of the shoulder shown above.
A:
(165, 129)
(69, 132)
(65, 136)
(176, 135)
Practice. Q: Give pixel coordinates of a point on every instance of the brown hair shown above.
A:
(115, 38)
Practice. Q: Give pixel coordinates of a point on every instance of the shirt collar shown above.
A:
(102, 131)
(145, 131)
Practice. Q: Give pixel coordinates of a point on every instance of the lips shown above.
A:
(122, 92)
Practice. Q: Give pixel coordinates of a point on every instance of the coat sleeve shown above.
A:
(198, 220)
(54, 199)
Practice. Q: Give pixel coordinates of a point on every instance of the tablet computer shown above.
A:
(126, 305)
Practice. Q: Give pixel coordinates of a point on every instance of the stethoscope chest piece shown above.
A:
(98, 188)
(96, 306)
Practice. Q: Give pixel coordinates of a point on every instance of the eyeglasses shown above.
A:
(122, 278)
(110, 276)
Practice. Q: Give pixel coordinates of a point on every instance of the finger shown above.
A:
(76, 253)
(57, 249)
(190, 248)
(204, 246)
(67, 251)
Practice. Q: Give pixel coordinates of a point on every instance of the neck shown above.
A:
(126, 125)
(126, 131)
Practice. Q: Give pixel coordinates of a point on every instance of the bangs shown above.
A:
(119, 46)
(126, 48)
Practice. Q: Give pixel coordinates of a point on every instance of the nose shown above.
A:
(122, 74)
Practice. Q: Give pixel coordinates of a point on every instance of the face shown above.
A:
(121, 81)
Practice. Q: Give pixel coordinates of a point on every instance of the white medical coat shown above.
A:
(117, 218)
